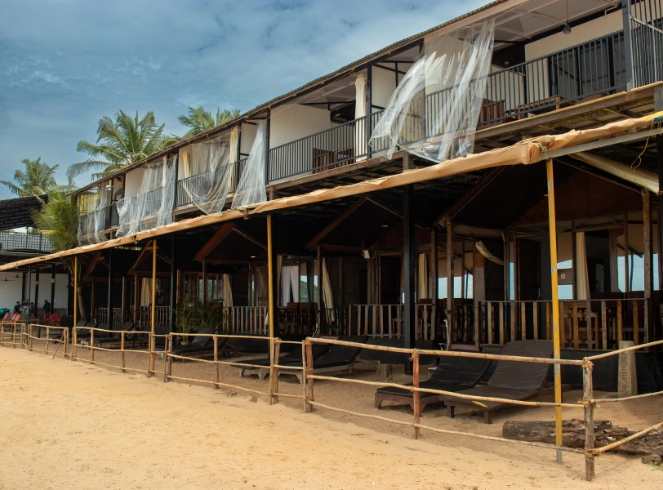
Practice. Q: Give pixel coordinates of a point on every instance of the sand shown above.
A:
(72, 425)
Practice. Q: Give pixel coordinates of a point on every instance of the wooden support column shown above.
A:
(272, 305)
(627, 282)
(320, 305)
(93, 300)
(204, 283)
(75, 292)
(137, 286)
(450, 314)
(124, 300)
(409, 252)
(173, 283)
(154, 286)
(109, 298)
(432, 275)
(646, 223)
(36, 293)
(552, 234)
(659, 154)
(52, 288)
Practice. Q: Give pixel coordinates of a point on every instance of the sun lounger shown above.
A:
(200, 344)
(101, 338)
(83, 328)
(293, 358)
(337, 358)
(451, 374)
(512, 380)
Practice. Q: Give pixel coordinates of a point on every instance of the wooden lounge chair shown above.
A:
(451, 374)
(337, 358)
(512, 380)
(292, 358)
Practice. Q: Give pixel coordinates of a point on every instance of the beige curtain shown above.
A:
(227, 291)
(422, 277)
(289, 281)
(582, 275)
(327, 294)
(146, 292)
(184, 163)
(360, 111)
(234, 142)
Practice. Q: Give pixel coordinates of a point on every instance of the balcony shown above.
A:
(204, 181)
(11, 241)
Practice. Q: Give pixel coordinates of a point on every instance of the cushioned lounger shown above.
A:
(451, 374)
(512, 380)
(337, 358)
(292, 358)
(114, 338)
(200, 344)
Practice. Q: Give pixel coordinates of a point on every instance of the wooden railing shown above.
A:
(246, 319)
(386, 320)
(101, 316)
(591, 324)
(162, 316)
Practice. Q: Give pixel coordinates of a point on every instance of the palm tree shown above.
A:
(37, 179)
(58, 218)
(123, 142)
(200, 120)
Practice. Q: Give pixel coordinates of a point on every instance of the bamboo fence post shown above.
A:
(73, 343)
(604, 325)
(30, 344)
(535, 320)
(274, 372)
(305, 373)
(489, 321)
(309, 366)
(548, 336)
(216, 363)
(588, 400)
(168, 360)
(122, 351)
(150, 353)
(48, 336)
(416, 396)
(92, 346)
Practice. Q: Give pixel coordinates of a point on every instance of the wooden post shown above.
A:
(309, 367)
(432, 277)
(552, 233)
(588, 400)
(205, 292)
(305, 374)
(501, 323)
(166, 358)
(216, 362)
(92, 345)
(93, 301)
(409, 259)
(415, 395)
(620, 336)
(109, 298)
(576, 340)
(75, 316)
(137, 286)
(274, 373)
(647, 252)
(627, 285)
(154, 286)
(272, 313)
(122, 351)
(450, 281)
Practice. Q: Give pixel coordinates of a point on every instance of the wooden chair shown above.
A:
(292, 317)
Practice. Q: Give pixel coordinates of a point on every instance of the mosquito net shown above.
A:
(95, 215)
(434, 111)
(153, 205)
(251, 186)
(211, 174)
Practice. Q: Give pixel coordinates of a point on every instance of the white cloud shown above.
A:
(65, 64)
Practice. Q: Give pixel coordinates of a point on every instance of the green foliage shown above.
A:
(200, 120)
(121, 142)
(35, 180)
(190, 317)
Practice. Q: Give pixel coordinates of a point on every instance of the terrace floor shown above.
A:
(71, 425)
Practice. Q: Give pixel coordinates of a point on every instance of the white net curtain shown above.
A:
(251, 186)
(434, 111)
(95, 214)
(210, 173)
(153, 205)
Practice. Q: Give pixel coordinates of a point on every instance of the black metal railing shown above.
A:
(646, 28)
(206, 180)
(335, 147)
(11, 240)
(553, 81)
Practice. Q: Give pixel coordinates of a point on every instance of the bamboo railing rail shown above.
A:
(15, 333)
(63, 340)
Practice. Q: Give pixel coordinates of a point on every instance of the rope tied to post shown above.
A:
(587, 364)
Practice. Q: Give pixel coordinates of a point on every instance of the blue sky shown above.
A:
(66, 63)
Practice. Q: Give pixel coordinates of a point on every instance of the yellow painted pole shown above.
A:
(75, 290)
(270, 276)
(555, 304)
(154, 283)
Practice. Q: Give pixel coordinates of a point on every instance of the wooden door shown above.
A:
(390, 279)
(529, 270)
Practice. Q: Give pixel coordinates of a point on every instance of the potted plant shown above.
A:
(187, 319)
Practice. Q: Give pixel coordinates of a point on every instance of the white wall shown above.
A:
(593, 29)
(10, 290)
(291, 122)
(384, 84)
(248, 135)
(134, 178)
(61, 291)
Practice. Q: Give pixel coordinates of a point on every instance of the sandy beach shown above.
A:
(72, 425)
